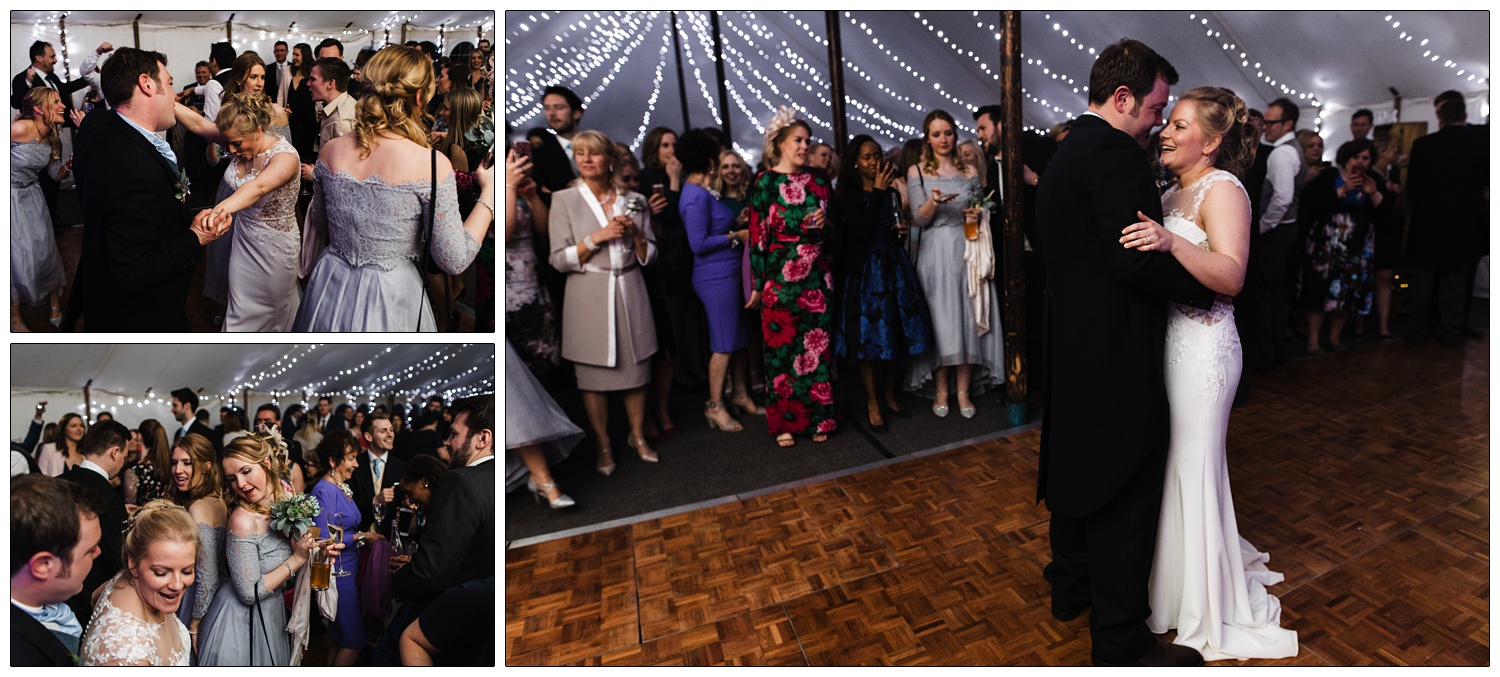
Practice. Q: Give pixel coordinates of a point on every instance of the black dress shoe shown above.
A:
(898, 413)
(1066, 615)
(1163, 654)
(882, 428)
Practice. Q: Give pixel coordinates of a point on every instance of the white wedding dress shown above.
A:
(1207, 582)
(262, 276)
(115, 637)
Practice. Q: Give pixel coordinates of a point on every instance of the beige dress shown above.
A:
(608, 331)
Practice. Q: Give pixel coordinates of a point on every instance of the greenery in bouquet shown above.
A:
(292, 516)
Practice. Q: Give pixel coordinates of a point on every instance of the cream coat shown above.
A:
(588, 335)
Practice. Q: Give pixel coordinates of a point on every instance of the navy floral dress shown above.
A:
(883, 313)
(1338, 273)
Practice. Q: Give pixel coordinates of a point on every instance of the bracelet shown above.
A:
(588, 243)
(289, 570)
(486, 206)
(192, 632)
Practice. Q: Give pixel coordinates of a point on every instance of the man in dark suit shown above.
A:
(138, 249)
(40, 74)
(1102, 464)
(184, 407)
(459, 542)
(378, 467)
(1447, 183)
(54, 540)
(103, 457)
(277, 79)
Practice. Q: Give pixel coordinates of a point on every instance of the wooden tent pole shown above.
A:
(713, 18)
(88, 403)
(135, 28)
(836, 83)
(681, 86)
(1015, 281)
(229, 30)
(403, 31)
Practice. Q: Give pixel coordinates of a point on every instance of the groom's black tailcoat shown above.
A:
(138, 250)
(1105, 422)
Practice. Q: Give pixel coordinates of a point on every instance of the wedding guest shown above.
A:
(537, 435)
(793, 284)
(104, 456)
(671, 276)
(555, 168)
(820, 157)
(425, 439)
(261, 561)
(961, 294)
(458, 629)
(54, 539)
(716, 240)
(530, 316)
(302, 115)
(36, 270)
(596, 215)
(221, 57)
(41, 74)
(1339, 207)
(67, 451)
(184, 405)
(357, 424)
(330, 48)
(733, 184)
(135, 615)
(459, 543)
(883, 316)
(324, 413)
(462, 109)
(336, 458)
(150, 477)
(234, 427)
(197, 485)
(363, 260)
(973, 156)
(267, 418)
(278, 74)
(1312, 154)
(378, 471)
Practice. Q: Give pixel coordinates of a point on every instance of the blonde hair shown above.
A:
(42, 97)
(398, 79)
(929, 158)
(159, 520)
(740, 191)
(245, 113)
(772, 154)
(1223, 114)
(268, 452)
(597, 142)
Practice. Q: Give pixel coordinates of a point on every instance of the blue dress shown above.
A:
(36, 268)
(347, 630)
(716, 266)
(882, 314)
(246, 624)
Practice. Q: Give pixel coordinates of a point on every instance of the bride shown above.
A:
(1207, 581)
(135, 620)
(262, 184)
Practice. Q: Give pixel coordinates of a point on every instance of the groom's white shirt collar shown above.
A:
(161, 145)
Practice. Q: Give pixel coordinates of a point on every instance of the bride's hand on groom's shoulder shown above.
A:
(1146, 235)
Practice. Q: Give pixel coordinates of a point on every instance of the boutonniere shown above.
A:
(184, 187)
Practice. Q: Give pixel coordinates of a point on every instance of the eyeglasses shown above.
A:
(1273, 122)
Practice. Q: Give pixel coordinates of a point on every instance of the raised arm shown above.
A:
(197, 124)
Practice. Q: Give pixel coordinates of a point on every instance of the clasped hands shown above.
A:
(211, 224)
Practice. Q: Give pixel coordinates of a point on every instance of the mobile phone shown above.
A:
(945, 198)
(489, 160)
(522, 148)
(659, 189)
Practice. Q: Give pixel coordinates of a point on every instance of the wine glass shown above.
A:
(336, 531)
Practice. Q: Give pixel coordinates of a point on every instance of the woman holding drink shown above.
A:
(338, 456)
(965, 306)
(793, 285)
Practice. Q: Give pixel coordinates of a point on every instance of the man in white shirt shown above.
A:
(378, 472)
(324, 412)
(329, 84)
(277, 78)
(184, 409)
(1271, 250)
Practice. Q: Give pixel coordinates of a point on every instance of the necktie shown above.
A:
(180, 433)
(61, 620)
(379, 466)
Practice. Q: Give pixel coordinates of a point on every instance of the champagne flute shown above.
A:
(336, 531)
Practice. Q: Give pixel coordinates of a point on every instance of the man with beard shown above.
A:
(458, 544)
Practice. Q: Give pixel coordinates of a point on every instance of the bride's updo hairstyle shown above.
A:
(245, 113)
(159, 520)
(1224, 115)
(268, 452)
(394, 79)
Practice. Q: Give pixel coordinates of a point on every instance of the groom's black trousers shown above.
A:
(1104, 559)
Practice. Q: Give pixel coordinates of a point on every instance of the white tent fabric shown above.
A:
(281, 373)
(900, 65)
(185, 36)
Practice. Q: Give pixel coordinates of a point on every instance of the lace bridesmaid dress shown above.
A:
(263, 294)
(234, 631)
(1207, 581)
(36, 268)
(115, 637)
(367, 279)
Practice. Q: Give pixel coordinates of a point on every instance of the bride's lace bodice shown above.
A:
(1200, 340)
(373, 223)
(271, 223)
(115, 637)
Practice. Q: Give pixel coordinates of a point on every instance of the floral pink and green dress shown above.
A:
(796, 295)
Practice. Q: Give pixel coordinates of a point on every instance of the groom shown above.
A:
(138, 250)
(1104, 422)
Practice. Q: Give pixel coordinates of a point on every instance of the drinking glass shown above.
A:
(336, 531)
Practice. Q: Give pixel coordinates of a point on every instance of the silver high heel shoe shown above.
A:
(540, 491)
(967, 412)
(940, 409)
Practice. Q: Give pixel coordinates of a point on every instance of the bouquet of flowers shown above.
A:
(985, 202)
(634, 206)
(292, 516)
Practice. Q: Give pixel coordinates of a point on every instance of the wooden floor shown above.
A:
(1365, 475)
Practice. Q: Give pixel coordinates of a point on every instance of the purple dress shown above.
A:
(716, 266)
(348, 629)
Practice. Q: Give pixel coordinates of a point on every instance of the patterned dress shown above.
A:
(1338, 272)
(530, 318)
(796, 299)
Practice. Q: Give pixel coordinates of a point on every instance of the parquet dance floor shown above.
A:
(1365, 475)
